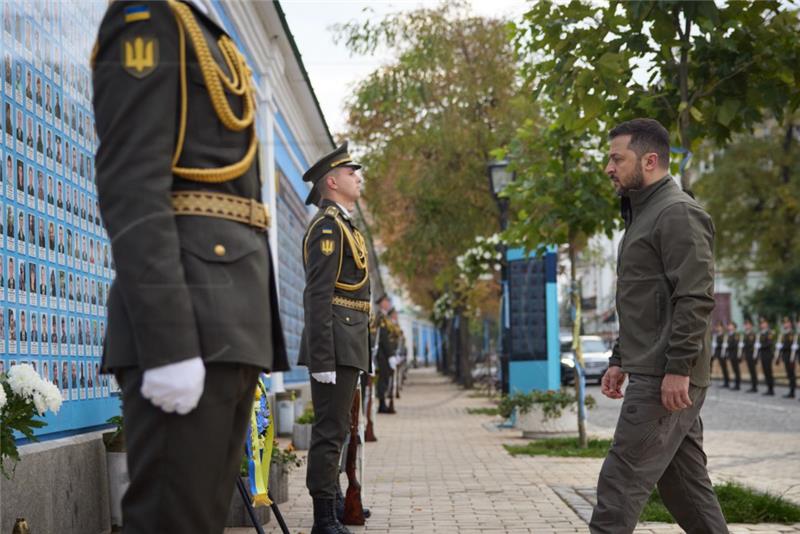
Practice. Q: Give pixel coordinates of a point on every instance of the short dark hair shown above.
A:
(647, 135)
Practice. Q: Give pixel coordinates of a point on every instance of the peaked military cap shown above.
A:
(338, 158)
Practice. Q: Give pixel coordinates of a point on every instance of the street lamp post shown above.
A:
(499, 177)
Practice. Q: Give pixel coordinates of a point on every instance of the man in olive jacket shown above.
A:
(665, 282)
(192, 314)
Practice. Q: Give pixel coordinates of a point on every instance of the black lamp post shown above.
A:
(499, 177)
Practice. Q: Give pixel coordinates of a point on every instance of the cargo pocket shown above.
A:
(643, 428)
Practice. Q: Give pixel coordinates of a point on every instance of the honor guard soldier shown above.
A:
(765, 347)
(192, 315)
(335, 340)
(719, 353)
(386, 350)
(747, 342)
(732, 355)
(785, 353)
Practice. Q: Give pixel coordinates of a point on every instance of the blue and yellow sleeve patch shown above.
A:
(136, 13)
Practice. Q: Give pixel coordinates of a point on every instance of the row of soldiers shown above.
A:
(769, 348)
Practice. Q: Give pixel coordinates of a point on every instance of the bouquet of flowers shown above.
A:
(23, 396)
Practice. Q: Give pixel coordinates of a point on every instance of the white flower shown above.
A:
(487, 255)
(3, 399)
(497, 267)
(479, 239)
(52, 396)
(24, 381)
(39, 403)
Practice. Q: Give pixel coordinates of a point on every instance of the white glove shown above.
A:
(176, 387)
(325, 378)
(393, 362)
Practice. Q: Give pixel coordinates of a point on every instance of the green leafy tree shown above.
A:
(704, 71)
(425, 123)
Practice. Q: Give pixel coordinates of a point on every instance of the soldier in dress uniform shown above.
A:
(335, 340)
(785, 353)
(747, 343)
(386, 349)
(719, 353)
(765, 347)
(192, 315)
(732, 354)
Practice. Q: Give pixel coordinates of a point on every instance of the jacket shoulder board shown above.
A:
(331, 211)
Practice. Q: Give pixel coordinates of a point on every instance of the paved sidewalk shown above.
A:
(437, 469)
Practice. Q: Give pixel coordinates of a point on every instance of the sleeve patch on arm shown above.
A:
(140, 55)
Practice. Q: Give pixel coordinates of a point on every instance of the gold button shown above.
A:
(219, 250)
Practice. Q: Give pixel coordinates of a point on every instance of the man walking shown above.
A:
(193, 313)
(665, 281)
(335, 341)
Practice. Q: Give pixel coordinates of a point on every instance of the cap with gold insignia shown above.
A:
(338, 158)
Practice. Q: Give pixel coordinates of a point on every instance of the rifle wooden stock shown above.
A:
(369, 433)
(392, 390)
(353, 509)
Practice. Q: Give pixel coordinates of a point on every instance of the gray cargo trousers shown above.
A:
(654, 446)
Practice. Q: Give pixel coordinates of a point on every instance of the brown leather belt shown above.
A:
(231, 207)
(353, 304)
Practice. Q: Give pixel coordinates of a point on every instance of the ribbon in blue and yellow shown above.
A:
(260, 435)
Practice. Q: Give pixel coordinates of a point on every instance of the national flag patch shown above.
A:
(136, 13)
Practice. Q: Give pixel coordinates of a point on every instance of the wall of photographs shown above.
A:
(55, 260)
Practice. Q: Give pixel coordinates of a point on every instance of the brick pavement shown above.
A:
(437, 469)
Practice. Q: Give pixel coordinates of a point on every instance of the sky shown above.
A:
(333, 72)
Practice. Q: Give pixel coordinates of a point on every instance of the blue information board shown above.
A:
(55, 259)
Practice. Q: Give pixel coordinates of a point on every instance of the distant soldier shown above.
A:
(732, 354)
(385, 351)
(747, 342)
(765, 347)
(786, 354)
(719, 354)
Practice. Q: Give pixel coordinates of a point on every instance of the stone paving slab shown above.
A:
(438, 469)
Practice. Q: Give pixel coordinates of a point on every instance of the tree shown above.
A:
(702, 70)
(426, 123)
(561, 197)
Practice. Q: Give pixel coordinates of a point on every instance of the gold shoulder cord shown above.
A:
(216, 83)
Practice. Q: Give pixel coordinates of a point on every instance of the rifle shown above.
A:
(392, 389)
(353, 508)
(369, 434)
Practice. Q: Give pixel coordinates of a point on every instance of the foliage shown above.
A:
(483, 411)
(24, 395)
(550, 402)
(739, 505)
(753, 194)
(115, 440)
(307, 417)
(703, 70)
(286, 457)
(426, 122)
(780, 296)
(565, 447)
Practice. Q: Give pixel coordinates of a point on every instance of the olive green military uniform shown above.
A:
(787, 339)
(732, 358)
(336, 302)
(665, 297)
(386, 349)
(179, 191)
(721, 355)
(748, 353)
(765, 349)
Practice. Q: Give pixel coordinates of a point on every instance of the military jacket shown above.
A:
(387, 343)
(186, 285)
(719, 344)
(732, 348)
(748, 343)
(335, 259)
(765, 343)
(786, 343)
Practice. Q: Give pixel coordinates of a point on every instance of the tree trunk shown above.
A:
(583, 441)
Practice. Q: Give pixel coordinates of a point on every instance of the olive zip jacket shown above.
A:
(665, 284)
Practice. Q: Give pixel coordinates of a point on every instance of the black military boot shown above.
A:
(325, 521)
(382, 408)
(789, 395)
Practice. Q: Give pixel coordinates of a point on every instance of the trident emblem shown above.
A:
(141, 56)
(327, 246)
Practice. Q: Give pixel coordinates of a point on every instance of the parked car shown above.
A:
(595, 358)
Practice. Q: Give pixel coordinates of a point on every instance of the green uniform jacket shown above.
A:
(333, 335)
(185, 286)
(387, 343)
(665, 284)
(749, 342)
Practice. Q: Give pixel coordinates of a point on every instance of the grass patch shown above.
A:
(483, 411)
(739, 505)
(567, 447)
